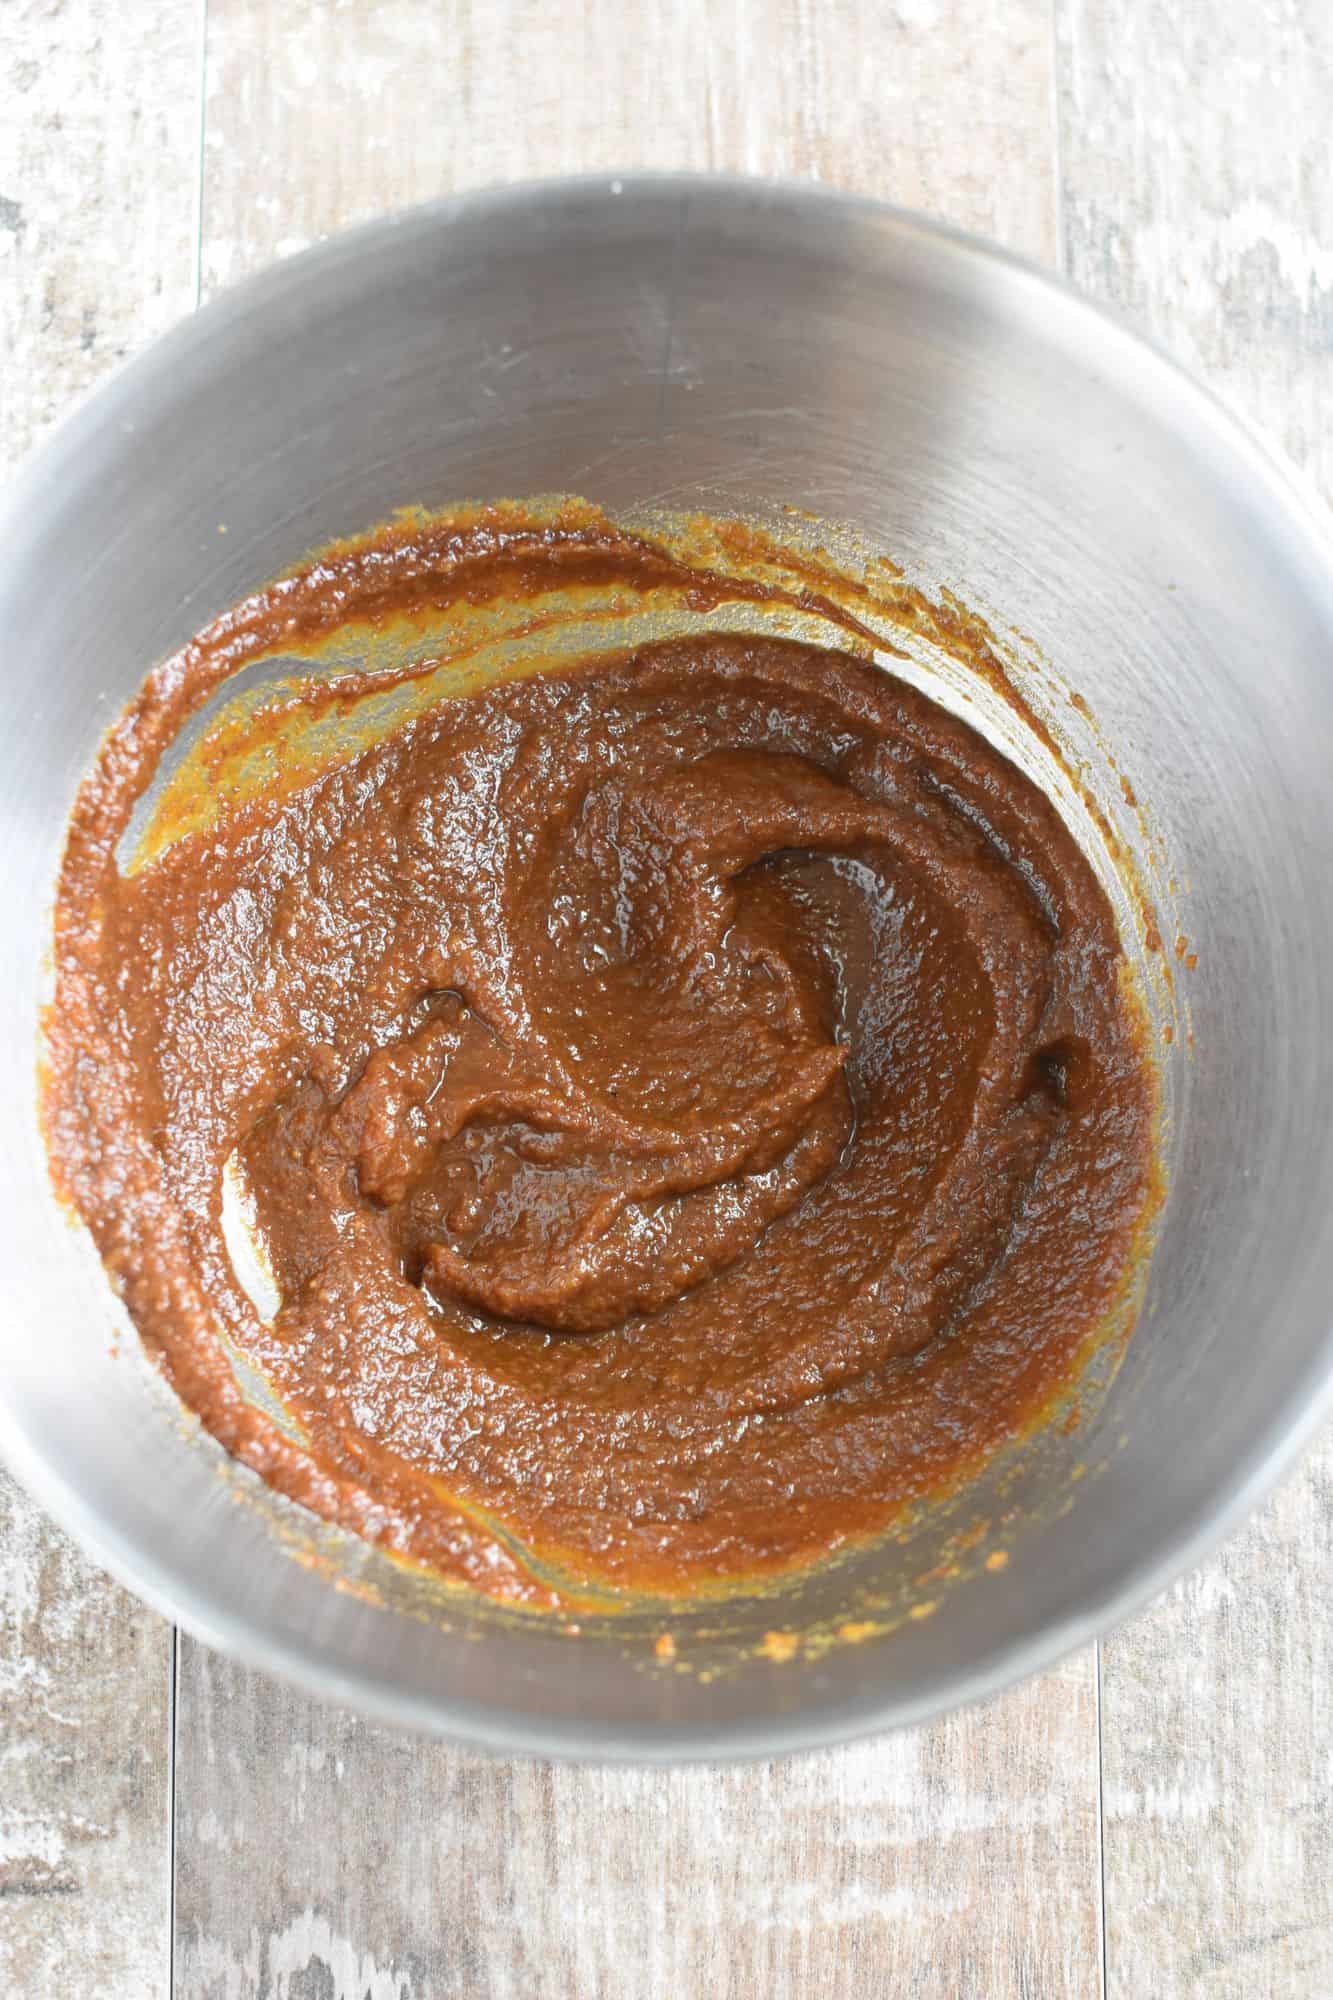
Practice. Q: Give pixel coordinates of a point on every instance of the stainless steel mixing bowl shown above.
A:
(724, 345)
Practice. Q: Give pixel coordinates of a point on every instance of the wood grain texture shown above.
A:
(99, 148)
(316, 1855)
(98, 171)
(84, 1773)
(1198, 195)
(1218, 1771)
(320, 1856)
(321, 113)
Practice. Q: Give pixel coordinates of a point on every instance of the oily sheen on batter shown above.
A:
(690, 1103)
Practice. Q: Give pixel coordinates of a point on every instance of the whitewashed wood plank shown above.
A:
(84, 1773)
(1198, 195)
(98, 169)
(1219, 1772)
(321, 113)
(99, 145)
(316, 1855)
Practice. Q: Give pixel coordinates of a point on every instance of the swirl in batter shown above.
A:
(690, 1102)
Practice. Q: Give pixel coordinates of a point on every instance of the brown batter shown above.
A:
(690, 1102)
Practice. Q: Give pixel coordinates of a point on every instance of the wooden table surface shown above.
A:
(1151, 1820)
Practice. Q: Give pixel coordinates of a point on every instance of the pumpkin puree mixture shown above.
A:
(689, 1100)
